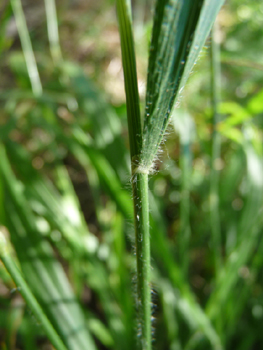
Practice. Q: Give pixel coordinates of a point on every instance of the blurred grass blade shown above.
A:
(254, 201)
(184, 125)
(27, 47)
(27, 294)
(106, 130)
(179, 31)
(5, 15)
(86, 154)
(230, 274)
(45, 200)
(249, 230)
(186, 305)
(239, 299)
(168, 299)
(43, 272)
(216, 149)
(49, 204)
(52, 28)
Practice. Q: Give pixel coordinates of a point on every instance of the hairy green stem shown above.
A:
(142, 239)
(28, 296)
(139, 179)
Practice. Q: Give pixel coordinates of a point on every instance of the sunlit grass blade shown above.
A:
(60, 214)
(52, 28)
(179, 32)
(27, 47)
(43, 272)
(28, 295)
(61, 211)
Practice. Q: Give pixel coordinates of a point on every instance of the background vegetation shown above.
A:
(65, 196)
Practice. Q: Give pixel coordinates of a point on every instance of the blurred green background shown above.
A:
(65, 194)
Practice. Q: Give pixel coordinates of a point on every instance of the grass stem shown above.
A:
(139, 179)
(142, 238)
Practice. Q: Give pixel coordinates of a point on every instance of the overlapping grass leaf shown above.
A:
(179, 31)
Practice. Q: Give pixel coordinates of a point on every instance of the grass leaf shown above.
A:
(179, 32)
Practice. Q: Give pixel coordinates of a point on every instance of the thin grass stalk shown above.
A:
(162, 251)
(139, 179)
(185, 230)
(216, 150)
(52, 29)
(27, 47)
(28, 296)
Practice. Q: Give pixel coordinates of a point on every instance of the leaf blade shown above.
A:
(179, 32)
